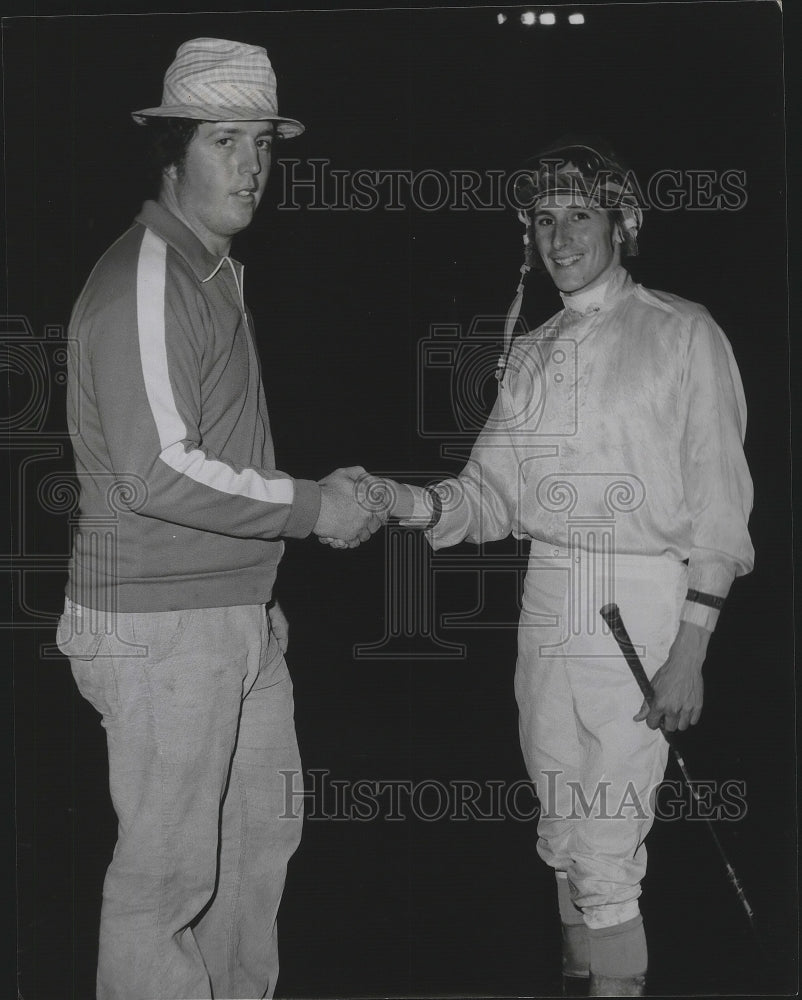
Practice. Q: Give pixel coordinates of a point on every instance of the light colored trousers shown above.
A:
(198, 711)
(595, 769)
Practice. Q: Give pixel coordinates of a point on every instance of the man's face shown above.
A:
(220, 183)
(577, 242)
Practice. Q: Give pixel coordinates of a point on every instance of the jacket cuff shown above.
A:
(699, 614)
(305, 509)
(422, 511)
(709, 573)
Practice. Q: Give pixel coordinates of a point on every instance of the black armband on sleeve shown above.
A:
(711, 600)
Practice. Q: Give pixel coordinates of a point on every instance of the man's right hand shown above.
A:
(342, 516)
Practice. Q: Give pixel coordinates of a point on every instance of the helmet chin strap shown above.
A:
(509, 324)
(515, 306)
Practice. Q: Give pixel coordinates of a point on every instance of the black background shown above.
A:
(341, 301)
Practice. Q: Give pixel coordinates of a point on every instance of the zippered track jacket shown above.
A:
(181, 505)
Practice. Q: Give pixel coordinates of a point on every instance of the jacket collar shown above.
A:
(602, 297)
(181, 238)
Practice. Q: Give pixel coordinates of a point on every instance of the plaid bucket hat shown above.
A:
(213, 79)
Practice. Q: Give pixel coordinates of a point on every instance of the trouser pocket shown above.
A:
(93, 673)
(74, 635)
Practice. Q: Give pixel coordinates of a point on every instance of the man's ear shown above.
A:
(618, 236)
(171, 171)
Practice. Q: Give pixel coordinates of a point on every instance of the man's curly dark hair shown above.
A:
(166, 141)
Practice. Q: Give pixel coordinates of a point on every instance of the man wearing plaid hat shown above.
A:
(615, 447)
(183, 513)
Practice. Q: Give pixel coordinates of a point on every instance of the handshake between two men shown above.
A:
(355, 504)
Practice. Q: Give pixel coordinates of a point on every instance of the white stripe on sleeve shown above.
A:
(172, 431)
